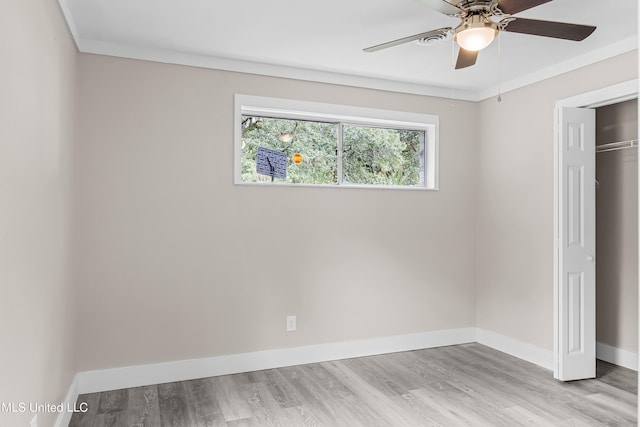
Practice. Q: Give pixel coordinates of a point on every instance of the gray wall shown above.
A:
(514, 222)
(172, 266)
(177, 263)
(617, 228)
(37, 110)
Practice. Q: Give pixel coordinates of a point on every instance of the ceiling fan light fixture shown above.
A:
(475, 33)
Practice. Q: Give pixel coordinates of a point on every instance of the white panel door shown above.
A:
(577, 269)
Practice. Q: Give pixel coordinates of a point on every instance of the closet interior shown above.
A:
(617, 226)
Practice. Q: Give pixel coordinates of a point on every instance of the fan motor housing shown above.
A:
(475, 21)
(477, 6)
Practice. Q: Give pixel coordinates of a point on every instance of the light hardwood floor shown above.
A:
(464, 385)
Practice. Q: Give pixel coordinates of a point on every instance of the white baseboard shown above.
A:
(617, 356)
(136, 376)
(519, 349)
(64, 417)
(141, 375)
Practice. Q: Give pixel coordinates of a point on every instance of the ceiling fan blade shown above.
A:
(428, 34)
(511, 7)
(557, 30)
(466, 58)
(442, 6)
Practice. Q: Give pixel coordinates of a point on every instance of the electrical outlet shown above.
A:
(291, 323)
(34, 421)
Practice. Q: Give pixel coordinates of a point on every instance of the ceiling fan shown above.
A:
(480, 22)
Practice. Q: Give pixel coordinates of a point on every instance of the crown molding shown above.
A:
(619, 48)
(71, 23)
(322, 76)
(266, 69)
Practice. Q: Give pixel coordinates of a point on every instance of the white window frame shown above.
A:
(315, 111)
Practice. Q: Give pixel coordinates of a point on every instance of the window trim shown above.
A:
(316, 111)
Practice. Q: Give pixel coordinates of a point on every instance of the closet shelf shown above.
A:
(614, 146)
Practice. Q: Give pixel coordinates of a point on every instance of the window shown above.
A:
(303, 143)
(316, 142)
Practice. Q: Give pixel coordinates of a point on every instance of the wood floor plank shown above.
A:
(617, 377)
(299, 416)
(82, 419)
(113, 401)
(375, 398)
(464, 385)
(172, 401)
(244, 422)
(613, 406)
(143, 409)
(328, 399)
(266, 408)
(109, 411)
(526, 417)
(426, 414)
(279, 387)
(232, 393)
(516, 387)
(110, 419)
(203, 404)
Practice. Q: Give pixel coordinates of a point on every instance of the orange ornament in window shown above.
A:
(297, 158)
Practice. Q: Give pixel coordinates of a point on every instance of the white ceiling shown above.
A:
(323, 40)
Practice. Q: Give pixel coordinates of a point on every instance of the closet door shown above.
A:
(576, 345)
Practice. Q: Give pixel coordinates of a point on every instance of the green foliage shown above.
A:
(371, 155)
(317, 142)
(381, 156)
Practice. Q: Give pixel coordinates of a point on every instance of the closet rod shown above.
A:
(614, 146)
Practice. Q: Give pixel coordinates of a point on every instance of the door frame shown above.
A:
(598, 98)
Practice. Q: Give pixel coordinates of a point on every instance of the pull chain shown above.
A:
(499, 67)
(453, 55)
